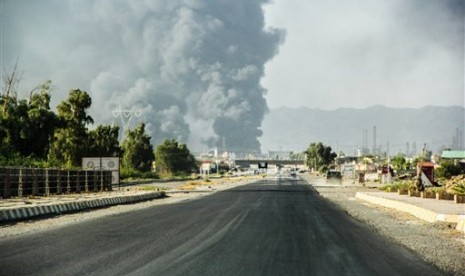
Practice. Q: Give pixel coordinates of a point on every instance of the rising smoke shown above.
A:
(192, 66)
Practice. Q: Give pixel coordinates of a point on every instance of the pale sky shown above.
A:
(358, 53)
(207, 71)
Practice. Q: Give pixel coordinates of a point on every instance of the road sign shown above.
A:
(262, 165)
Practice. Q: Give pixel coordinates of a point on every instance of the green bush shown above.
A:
(401, 185)
(149, 175)
(448, 169)
(459, 189)
(16, 160)
(436, 189)
(129, 173)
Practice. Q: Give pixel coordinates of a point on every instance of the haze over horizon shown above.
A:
(361, 108)
(351, 129)
(206, 72)
(363, 53)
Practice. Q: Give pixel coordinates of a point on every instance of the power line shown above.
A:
(126, 115)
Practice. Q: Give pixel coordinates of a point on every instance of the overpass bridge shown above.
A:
(244, 163)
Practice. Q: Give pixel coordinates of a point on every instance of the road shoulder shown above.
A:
(437, 243)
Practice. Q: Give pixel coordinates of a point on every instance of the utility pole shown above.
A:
(374, 140)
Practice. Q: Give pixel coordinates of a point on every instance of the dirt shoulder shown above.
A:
(437, 243)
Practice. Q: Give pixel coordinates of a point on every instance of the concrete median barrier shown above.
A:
(22, 213)
(441, 213)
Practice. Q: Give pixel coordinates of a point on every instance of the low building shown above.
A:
(455, 155)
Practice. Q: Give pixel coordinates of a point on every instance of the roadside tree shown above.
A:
(103, 141)
(27, 126)
(399, 163)
(137, 150)
(41, 123)
(319, 156)
(174, 158)
(69, 140)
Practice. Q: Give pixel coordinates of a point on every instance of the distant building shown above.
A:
(455, 155)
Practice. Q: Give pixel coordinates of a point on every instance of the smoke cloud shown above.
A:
(193, 67)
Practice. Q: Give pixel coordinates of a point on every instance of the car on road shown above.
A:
(333, 176)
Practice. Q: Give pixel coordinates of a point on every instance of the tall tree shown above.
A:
(103, 141)
(26, 127)
(9, 89)
(13, 120)
(319, 155)
(137, 150)
(8, 116)
(69, 141)
(174, 158)
(41, 122)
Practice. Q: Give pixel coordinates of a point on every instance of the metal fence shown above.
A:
(20, 182)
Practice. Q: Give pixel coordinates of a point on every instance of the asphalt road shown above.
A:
(267, 228)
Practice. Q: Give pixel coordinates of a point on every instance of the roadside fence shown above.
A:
(22, 182)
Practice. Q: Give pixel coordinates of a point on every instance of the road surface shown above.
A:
(271, 227)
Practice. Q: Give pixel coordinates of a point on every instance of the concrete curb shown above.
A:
(22, 213)
(416, 211)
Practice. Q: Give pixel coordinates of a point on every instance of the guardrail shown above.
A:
(21, 182)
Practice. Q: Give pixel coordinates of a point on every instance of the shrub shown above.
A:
(448, 169)
(459, 189)
(402, 185)
(436, 189)
(17, 160)
(128, 173)
(323, 169)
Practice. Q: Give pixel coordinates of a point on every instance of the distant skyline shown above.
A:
(398, 130)
(205, 72)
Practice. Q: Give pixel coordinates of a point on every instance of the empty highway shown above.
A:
(270, 227)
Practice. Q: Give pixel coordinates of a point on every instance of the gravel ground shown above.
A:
(437, 243)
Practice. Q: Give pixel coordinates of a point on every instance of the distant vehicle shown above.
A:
(333, 176)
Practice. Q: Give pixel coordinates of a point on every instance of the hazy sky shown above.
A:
(357, 53)
(207, 71)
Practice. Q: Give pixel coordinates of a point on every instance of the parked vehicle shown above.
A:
(333, 176)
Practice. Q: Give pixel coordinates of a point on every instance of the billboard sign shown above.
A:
(103, 163)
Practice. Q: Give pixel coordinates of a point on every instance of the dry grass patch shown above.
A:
(190, 186)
